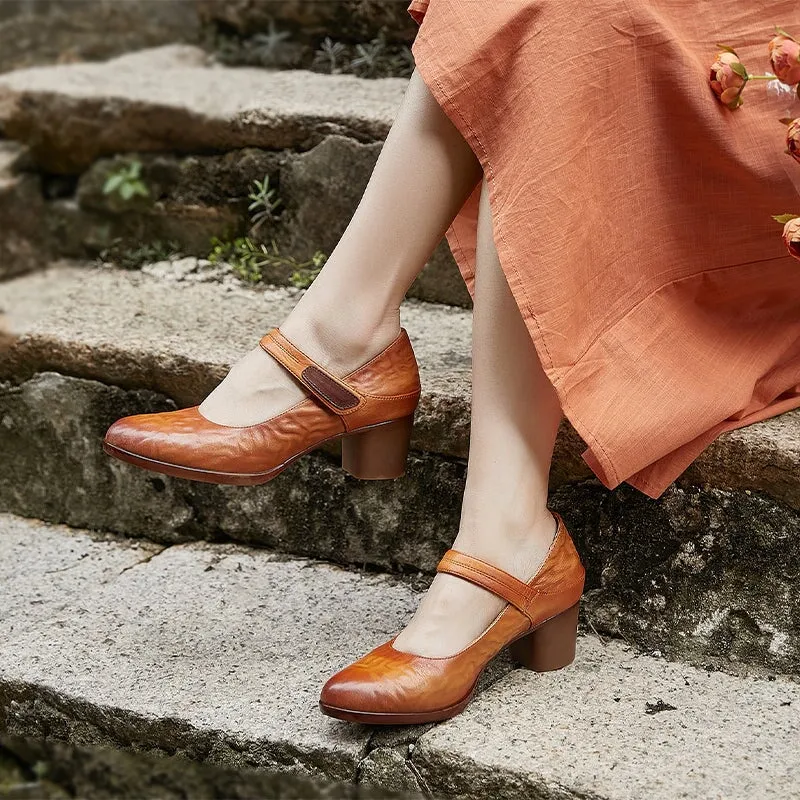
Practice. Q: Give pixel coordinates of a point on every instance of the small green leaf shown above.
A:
(784, 218)
(782, 32)
(786, 120)
(739, 69)
(126, 191)
(113, 182)
(727, 49)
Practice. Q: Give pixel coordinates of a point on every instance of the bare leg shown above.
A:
(422, 177)
(515, 418)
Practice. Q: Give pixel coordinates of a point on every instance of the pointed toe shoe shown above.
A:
(371, 410)
(539, 623)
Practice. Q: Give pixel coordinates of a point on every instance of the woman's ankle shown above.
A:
(341, 340)
(514, 542)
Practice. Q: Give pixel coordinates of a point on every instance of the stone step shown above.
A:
(21, 213)
(170, 99)
(201, 135)
(706, 574)
(55, 33)
(216, 653)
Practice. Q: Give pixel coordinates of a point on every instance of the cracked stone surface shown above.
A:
(102, 773)
(21, 209)
(216, 653)
(71, 115)
(703, 575)
(594, 730)
(85, 30)
(192, 198)
(706, 575)
(177, 342)
(213, 652)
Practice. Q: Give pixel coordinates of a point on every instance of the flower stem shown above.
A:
(761, 78)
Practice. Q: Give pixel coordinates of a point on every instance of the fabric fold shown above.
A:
(632, 212)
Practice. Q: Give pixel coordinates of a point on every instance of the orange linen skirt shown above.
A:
(632, 212)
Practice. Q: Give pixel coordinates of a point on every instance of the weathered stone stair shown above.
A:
(202, 135)
(706, 574)
(216, 652)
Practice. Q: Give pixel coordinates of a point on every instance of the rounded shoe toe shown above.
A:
(383, 683)
(166, 436)
(348, 692)
(126, 433)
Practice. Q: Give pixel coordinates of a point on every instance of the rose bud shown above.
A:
(728, 77)
(784, 53)
(793, 139)
(791, 237)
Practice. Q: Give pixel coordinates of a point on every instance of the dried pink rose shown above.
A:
(793, 139)
(784, 53)
(728, 78)
(791, 237)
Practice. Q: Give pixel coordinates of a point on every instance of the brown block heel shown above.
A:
(379, 452)
(552, 645)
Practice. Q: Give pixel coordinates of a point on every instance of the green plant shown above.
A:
(329, 56)
(402, 62)
(370, 59)
(265, 47)
(248, 260)
(127, 257)
(377, 59)
(374, 59)
(263, 202)
(242, 255)
(303, 278)
(126, 181)
(227, 49)
(273, 48)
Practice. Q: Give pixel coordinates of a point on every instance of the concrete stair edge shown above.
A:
(703, 575)
(170, 98)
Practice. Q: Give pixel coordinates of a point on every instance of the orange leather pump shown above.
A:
(371, 409)
(392, 687)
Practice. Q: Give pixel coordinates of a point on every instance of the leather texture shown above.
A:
(387, 386)
(393, 682)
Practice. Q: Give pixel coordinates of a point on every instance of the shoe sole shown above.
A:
(371, 718)
(255, 478)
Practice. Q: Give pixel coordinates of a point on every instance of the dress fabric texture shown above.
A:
(632, 212)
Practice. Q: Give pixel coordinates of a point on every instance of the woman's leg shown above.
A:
(423, 175)
(515, 418)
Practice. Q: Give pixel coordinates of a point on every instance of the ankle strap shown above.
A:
(339, 396)
(494, 579)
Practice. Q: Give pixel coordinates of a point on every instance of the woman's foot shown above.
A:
(257, 388)
(454, 612)
(539, 621)
(371, 409)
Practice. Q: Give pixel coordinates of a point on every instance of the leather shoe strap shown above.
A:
(489, 577)
(333, 392)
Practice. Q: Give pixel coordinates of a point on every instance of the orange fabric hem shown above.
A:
(417, 9)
